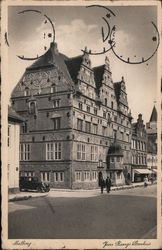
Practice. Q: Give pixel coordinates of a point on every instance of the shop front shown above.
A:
(139, 174)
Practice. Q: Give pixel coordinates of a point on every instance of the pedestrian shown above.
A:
(108, 184)
(145, 181)
(151, 179)
(102, 185)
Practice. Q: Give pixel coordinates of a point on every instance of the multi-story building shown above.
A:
(151, 130)
(13, 140)
(139, 150)
(73, 113)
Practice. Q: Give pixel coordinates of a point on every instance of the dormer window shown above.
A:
(53, 88)
(26, 91)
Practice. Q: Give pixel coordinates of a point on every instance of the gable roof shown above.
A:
(73, 66)
(51, 58)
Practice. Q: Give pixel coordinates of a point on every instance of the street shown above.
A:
(123, 214)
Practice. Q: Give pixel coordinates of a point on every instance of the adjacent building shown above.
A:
(73, 116)
(139, 151)
(151, 130)
(13, 141)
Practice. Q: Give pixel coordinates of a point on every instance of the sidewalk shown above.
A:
(27, 195)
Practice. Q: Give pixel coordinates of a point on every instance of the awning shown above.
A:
(142, 171)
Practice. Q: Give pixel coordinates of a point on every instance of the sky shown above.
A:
(77, 27)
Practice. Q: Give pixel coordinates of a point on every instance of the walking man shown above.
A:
(108, 184)
(102, 185)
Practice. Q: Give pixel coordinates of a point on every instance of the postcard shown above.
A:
(81, 124)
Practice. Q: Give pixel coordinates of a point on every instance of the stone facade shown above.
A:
(73, 113)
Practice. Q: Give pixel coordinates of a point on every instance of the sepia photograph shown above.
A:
(81, 124)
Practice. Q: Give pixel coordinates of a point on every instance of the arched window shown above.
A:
(26, 91)
(32, 107)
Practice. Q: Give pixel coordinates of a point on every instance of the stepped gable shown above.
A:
(50, 59)
(98, 76)
(119, 87)
(153, 117)
(73, 65)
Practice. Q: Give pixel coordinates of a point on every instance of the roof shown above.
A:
(98, 75)
(73, 66)
(13, 116)
(115, 149)
(153, 117)
(50, 59)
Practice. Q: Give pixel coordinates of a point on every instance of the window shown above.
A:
(104, 114)
(105, 101)
(78, 176)
(95, 111)
(94, 153)
(103, 130)
(29, 173)
(32, 108)
(53, 88)
(24, 128)
(115, 133)
(88, 127)
(45, 176)
(95, 129)
(59, 176)
(57, 123)
(115, 118)
(8, 139)
(56, 103)
(53, 151)
(88, 109)
(112, 159)
(94, 175)
(86, 176)
(80, 106)
(80, 151)
(26, 92)
(118, 159)
(25, 152)
(112, 105)
(79, 124)
(122, 136)
(132, 146)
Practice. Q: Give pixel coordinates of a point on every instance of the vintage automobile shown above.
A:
(33, 183)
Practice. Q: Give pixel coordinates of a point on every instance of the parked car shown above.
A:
(33, 183)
